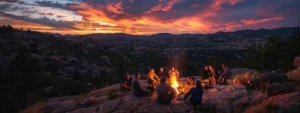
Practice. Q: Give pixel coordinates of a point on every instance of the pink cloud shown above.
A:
(259, 21)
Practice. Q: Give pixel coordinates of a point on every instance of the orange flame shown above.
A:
(174, 83)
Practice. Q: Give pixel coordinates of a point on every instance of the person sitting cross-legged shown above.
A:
(126, 83)
(137, 90)
(165, 93)
(196, 94)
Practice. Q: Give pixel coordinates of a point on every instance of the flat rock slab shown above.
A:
(218, 98)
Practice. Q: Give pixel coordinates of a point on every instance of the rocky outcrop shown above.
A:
(259, 80)
(294, 75)
(272, 77)
(276, 89)
(237, 71)
(297, 61)
(217, 99)
(287, 103)
(243, 78)
(239, 105)
(292, 86)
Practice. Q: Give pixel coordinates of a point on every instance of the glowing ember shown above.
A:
(174, 83)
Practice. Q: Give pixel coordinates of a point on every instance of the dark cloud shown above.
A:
(203, 14)
(42, 21)
(44, 14)
(54, 4)
(4, 6)
(11, 1)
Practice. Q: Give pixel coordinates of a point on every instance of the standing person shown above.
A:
(165, 93)
(214, 74)
(152, 78)
(137, 90)
(196, 95)
(226, 74)
(126, 83)
(162, 73)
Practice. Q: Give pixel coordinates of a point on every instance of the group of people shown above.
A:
(217, 77)
(154, 79)
(165, 92)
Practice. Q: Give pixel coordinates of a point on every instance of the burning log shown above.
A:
(180, 90)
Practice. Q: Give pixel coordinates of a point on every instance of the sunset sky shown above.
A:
(148, 16)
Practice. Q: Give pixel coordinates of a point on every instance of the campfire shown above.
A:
(174, 83)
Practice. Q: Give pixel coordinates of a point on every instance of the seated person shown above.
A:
(162, 74)
(137, 90)
(190, 81)
(174, 72)
(152, 78)
(225, 74)
(126, 83)
(207, 74)
(214, 74)
(165, 93)
(196, 95)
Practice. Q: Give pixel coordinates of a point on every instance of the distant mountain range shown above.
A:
(261, 34)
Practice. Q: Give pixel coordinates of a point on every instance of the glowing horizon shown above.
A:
(145, 17)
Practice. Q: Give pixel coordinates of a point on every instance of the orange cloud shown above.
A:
(205, 17)
(217, 3)
(163, 7)
(251, 22)
(115, 8)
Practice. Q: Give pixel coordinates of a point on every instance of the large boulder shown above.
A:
(287, 103)
(274, 76)
(297, 61)
(292, 86)
(266, 78)
(237, 71)
(222, 96)
(243, 78)
(276, 89)
(294, 75)
(239, 105)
